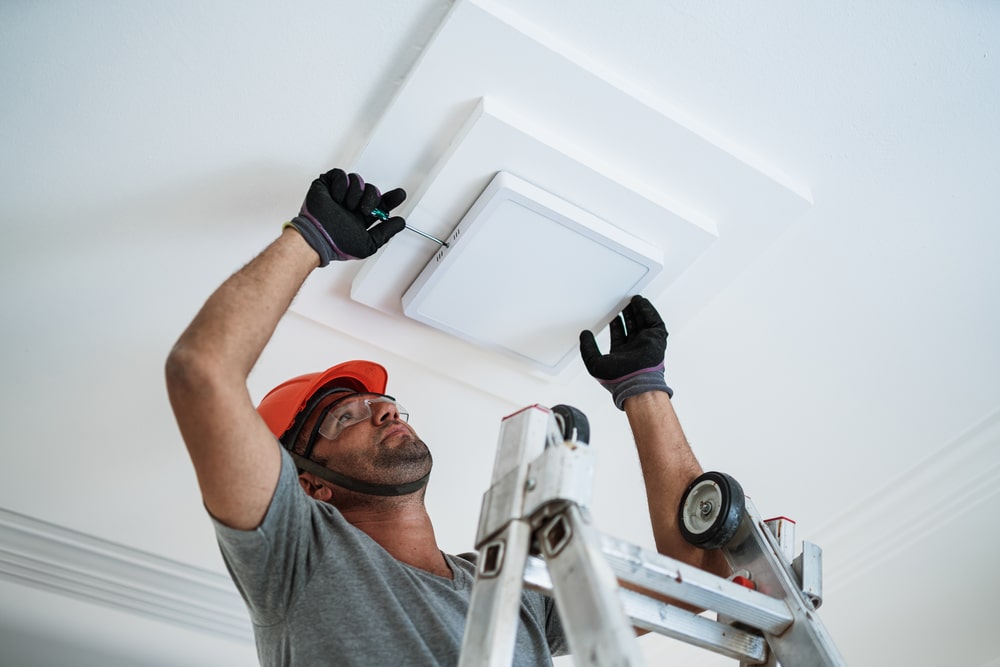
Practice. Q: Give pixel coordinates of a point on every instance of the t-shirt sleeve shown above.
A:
(269, 564)
(555, 635)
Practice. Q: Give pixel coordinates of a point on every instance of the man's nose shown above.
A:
(384, 411)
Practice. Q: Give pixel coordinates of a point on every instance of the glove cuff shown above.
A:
(639, 382)
(314, 235)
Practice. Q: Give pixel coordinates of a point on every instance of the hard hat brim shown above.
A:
(281, 405)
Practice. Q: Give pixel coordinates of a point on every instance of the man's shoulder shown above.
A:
(469, 556)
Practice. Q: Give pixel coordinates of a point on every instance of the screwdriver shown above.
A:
(382, 215)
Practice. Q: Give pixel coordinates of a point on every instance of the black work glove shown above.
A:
(635, 363)
(338, 212)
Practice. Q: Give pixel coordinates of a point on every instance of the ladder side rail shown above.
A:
(494, 608)
(503, 540)
(523, 437)
(806, 643)
(586, 593)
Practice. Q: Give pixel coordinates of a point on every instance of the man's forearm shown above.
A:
(668, 466)
(232, 328)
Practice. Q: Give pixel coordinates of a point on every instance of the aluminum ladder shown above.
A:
(535, 531)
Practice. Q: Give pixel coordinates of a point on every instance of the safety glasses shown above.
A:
(352, 410)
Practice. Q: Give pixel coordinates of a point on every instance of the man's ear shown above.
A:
(314, 488)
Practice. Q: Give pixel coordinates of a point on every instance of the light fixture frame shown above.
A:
(546, 311)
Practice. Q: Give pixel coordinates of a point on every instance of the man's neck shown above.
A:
(405, 531)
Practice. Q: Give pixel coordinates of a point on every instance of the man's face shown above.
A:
(365, 437)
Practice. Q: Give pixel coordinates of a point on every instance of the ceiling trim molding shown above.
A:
(43, 555)
(964, 473)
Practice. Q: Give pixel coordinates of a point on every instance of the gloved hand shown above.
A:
(337, 213)
(635, 363)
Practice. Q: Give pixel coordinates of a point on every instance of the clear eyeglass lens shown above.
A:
(352, 411)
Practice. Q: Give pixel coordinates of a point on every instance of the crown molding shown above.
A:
(963, 473)
(43, 555)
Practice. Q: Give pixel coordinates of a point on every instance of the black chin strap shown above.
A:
(357, 485)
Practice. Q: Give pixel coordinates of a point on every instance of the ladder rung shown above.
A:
(664, 575)
(656, 616)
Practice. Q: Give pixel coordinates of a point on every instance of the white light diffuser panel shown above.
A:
(526, 271)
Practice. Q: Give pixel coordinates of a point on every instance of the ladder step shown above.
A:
(672, 578)
(662, 618)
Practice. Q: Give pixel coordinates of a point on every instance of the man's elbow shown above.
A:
(187, 371)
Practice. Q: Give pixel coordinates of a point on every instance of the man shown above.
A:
(349, 572)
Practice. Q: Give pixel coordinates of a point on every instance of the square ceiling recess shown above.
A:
(493, 93)
(542, 243)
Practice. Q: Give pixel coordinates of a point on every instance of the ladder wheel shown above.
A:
(573, 423)
(711, 510)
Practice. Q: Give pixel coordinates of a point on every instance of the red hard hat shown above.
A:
(284, 402)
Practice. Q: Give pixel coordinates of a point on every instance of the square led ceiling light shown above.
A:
(525, 271)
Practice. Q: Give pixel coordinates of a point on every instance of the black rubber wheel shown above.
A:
(573, 423)
(711, 510)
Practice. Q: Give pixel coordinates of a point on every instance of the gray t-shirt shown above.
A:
(321, 592)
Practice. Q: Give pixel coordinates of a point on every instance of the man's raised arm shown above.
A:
(234, 453)
(633, 372)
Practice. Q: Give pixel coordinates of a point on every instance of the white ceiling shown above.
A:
(847, 375)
